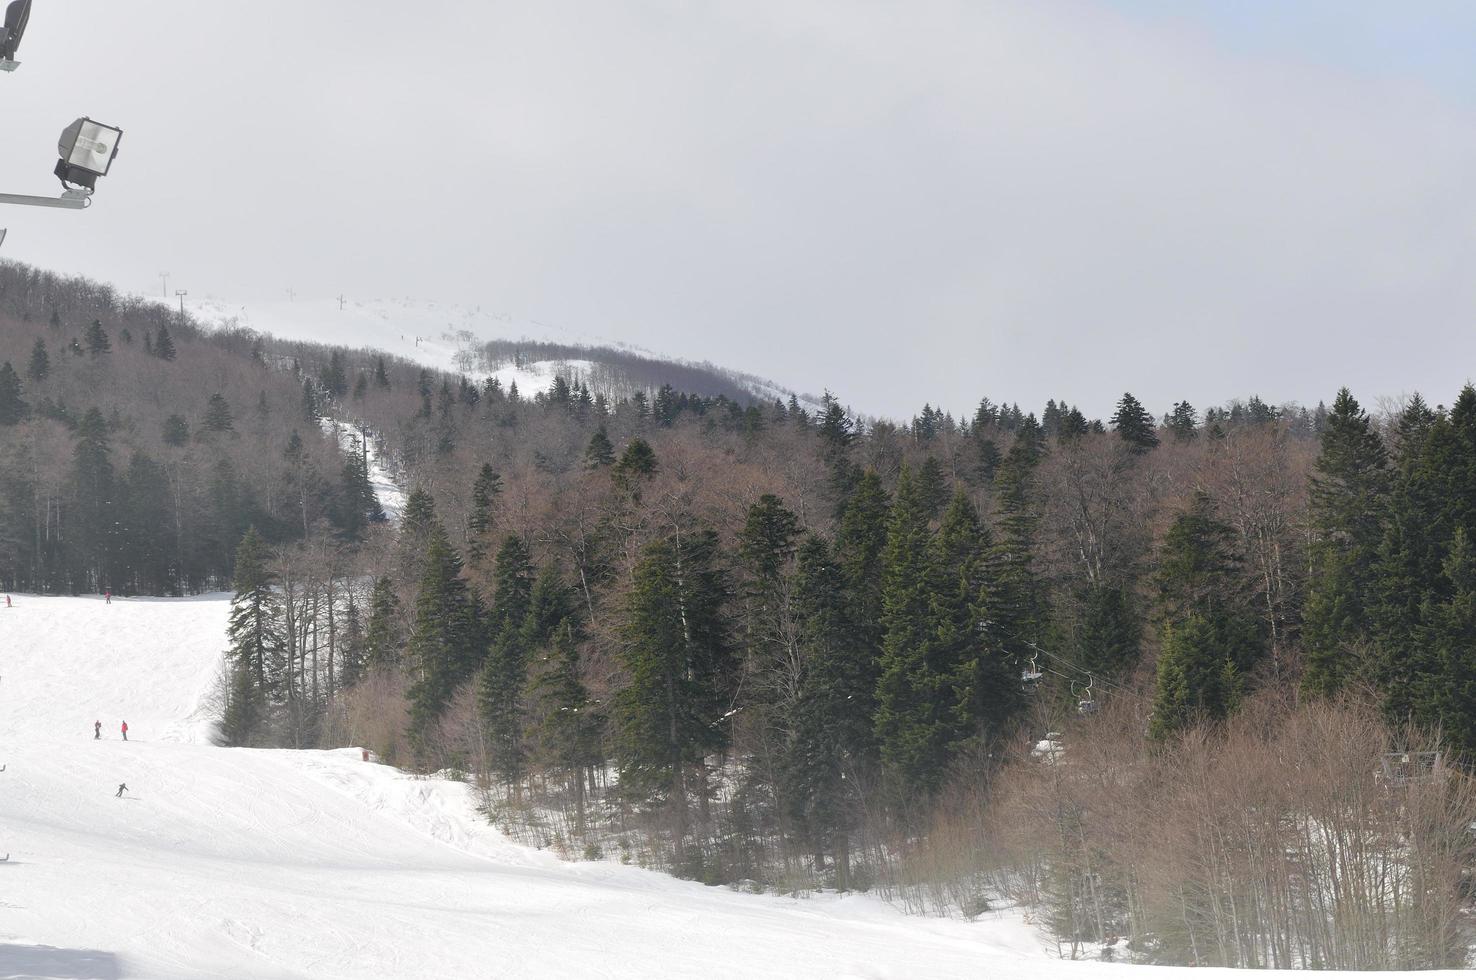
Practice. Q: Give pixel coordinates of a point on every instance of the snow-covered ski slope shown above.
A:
(281, 864)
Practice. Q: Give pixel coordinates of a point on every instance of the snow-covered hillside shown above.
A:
(252, 863)
(273, 863)
(447, 337)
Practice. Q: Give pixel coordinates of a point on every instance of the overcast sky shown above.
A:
(904, 202)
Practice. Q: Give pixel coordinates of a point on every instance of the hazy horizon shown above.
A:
(904, 204)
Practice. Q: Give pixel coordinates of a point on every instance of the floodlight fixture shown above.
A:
(87, 151)
(17, 14)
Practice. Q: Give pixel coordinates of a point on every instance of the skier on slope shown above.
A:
(97, 730)
(125, 731)
(122, 788)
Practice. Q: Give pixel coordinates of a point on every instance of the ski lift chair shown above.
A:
(1031, 675)
(1401, 769)
(1085, 704)
(17, 14)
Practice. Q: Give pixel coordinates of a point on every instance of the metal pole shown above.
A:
(71, 200)
(181, 293)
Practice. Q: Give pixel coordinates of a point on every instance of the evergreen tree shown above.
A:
(445, 641)
(914, 726)
(1211, 641)
(1109, 638)
(832, 736)
(218, 415)
(860, 554)
(672, 711)
(1348, 496)
(381, 637)
(1448, 696)
(933, 486)
(1184, 422)
(500, 692)
(164, 344)
(980, 671)
(311, 408)
(568, 720)
(638, 460)
(97, 339)
(1011, 610)
(13, 408)
(40, 367)
(1197, 681)
(257, 643)
(381, 377)
(600, 452)
(482, 519)
(1134, 425)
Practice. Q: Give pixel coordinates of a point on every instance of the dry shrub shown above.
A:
(373, 715)
(1271, 841)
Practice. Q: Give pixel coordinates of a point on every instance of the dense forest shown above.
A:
(1198, 687)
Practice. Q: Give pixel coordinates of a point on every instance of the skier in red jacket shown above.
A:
(125, 731)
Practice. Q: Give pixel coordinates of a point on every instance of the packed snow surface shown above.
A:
(292, 864)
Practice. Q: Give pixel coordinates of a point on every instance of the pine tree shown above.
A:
(860, 554)
(1211, 641)
(1447, 696)
(638, 460)
(257, 643)
(913, 699)
(832, 737)
(567, 718)
(164, 344)
(501, 688)
(1197, 681)
(600, 452)
(1134, 425)
(40, 367)
(1184, 422)
(218, 415)
(381, 637)
(672, 711)
(381, 377)
(446, 644)
(1348, 496)
(13, 408)
(482, 519)
(933, 486)
(97, 339)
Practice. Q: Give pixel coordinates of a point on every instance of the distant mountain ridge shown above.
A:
(480, 343)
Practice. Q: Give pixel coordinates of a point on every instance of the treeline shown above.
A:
(135, 448)
(748, 643)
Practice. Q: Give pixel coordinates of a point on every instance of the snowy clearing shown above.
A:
(272, 863)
